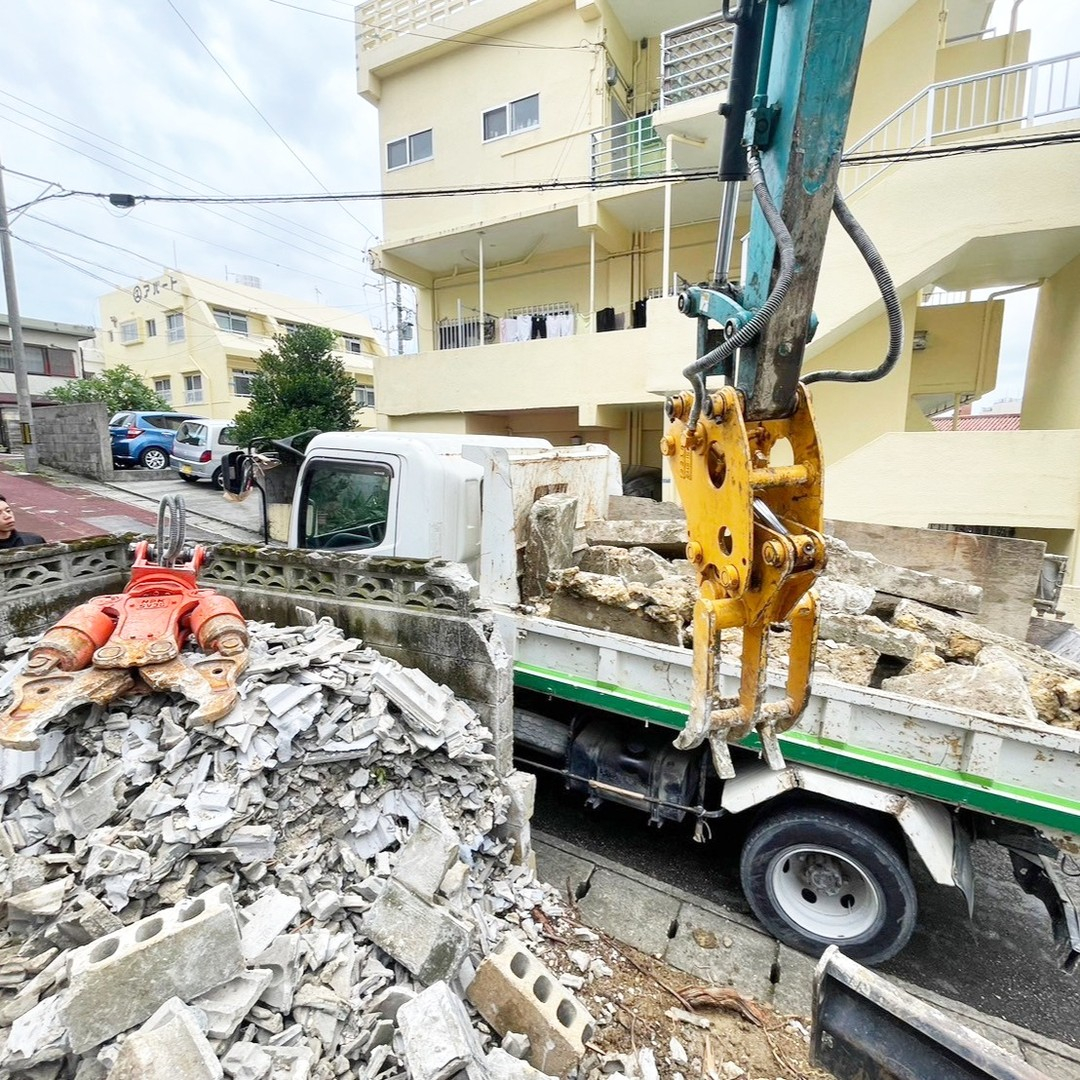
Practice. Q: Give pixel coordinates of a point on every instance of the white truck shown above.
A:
(867, 774)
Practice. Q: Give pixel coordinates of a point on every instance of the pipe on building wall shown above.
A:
(592, 280)
(480, 258)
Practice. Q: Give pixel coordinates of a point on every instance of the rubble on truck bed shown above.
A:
(304, 889)
(890, 627)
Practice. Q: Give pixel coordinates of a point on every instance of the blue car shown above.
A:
(144, 438)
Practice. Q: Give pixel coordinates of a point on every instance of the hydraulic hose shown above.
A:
(888, 294)
(760, 319)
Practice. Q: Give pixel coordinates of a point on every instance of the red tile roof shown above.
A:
(980, 422)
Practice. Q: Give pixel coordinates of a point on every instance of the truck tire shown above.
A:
(817, 877)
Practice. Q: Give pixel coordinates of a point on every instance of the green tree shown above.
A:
(118, 387)
(300, 385)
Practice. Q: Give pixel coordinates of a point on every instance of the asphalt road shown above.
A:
(1001, 961)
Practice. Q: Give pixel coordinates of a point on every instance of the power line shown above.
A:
(262, 116)
(334, 242)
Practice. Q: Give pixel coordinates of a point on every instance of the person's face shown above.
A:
(7, 520)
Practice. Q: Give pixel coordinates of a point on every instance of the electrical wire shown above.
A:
(690, 176)
(262, 116)
(332, 245)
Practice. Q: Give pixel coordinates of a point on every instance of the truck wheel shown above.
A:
(154, 458)
(818, 877)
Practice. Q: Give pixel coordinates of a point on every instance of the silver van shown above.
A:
(199, 447)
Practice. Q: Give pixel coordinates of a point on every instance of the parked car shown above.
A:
(199, 448)
(144, 438)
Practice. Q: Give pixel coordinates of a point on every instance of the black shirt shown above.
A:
(21, 539)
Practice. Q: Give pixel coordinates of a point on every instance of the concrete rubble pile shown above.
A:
(885, 626)
(308, 888)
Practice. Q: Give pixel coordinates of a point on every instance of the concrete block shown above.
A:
(872, 632)
(665, 537)
(438, 1037)
(515, 991)
(121, 979)
(266, 919)
(170, 1045)
(427, 855)
(520, 788)
(500, 1065)
(630, 564)
(226, 1006)
(429, 941)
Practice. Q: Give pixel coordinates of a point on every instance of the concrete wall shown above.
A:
(1052, 383)
(75, 439)
(962, 346)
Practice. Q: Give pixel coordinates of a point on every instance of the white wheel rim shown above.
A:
(824, 893)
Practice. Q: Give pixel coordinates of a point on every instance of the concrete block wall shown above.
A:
(75, 439)
(39, 584)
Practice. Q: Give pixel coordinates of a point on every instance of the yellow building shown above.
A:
(197, 341)
(615, 92)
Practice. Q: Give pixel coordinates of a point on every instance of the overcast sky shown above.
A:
(139, 97)
(119, 95)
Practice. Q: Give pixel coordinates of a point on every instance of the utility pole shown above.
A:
(22, 383)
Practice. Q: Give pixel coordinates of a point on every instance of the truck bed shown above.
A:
(1006, 768)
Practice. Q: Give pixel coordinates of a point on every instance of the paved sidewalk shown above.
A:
(726, 949)
(60, 506)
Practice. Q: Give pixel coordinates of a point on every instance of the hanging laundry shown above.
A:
(638, 317)
(539, 326)
(561, 325)
(605, 319)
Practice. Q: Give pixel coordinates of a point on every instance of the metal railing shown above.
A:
(627, 151)
(1006, 99)
(380, 21)
(695, 59)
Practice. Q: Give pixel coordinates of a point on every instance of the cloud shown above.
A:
(139, 106)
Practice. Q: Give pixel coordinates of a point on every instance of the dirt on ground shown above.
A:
(694, 1031)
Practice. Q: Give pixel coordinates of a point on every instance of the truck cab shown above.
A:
(465, 498)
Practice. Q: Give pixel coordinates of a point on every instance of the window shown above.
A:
(410, 150)
(233, 321)
(518, 115)
(164, 388)
(353, 345)
(174, 325)
(40, 360)
(151, 327)
(129, 332)
(288, 327)
(242, 382)
(365, 397)
(193, 391)
(345, 505)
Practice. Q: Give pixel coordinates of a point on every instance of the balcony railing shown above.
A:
(695, 60)
(1005, 99)
(627, 151)
(380, 21)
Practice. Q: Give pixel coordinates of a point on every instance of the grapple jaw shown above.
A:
(113, 645)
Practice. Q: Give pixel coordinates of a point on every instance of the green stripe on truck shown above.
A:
(1035, 808)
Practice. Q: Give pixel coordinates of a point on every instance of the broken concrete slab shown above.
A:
(427, 940)
(549, 541)
(866, 630)
(861, 568)
(169, 1045)
(631, 564)
(666, 537)
(995, 684)
(426, 856)
(226, 1006)
(437, 1034)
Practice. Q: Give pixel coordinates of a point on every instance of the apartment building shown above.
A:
(53, 357)
(553, 311)
(197, 341)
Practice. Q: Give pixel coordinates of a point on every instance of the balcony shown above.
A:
(627, 151)
(381, 21)
(1006, 101)
(695, 60)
